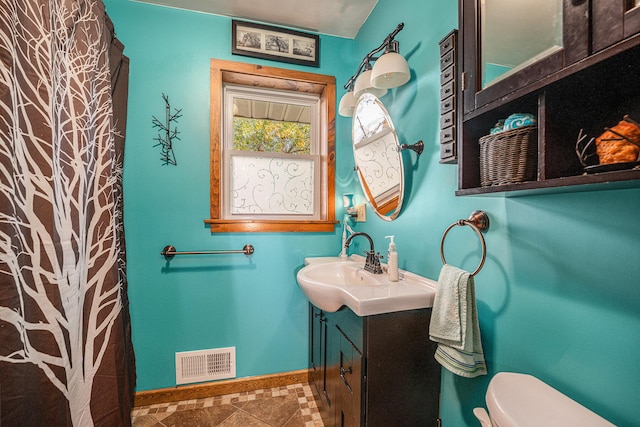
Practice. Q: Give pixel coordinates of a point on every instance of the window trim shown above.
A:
(222, 72)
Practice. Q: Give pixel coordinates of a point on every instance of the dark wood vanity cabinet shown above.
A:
(374, 370)
(589, 84)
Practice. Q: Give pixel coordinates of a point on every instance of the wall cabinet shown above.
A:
(588, 85)
(374, 370)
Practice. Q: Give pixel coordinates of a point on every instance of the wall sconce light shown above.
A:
(347, 202)
(347, 104)
(358, 212)
(390, 70)
(363, 84)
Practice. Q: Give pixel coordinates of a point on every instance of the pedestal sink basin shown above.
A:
(332, 282)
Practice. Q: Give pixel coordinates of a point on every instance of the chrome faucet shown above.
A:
(372, 264)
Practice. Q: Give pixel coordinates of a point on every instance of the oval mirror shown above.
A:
(378, 160)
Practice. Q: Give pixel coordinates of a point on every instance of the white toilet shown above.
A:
(521, 400)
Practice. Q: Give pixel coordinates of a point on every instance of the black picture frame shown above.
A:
(274, 43)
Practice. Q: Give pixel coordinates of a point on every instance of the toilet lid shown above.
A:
(521, 400)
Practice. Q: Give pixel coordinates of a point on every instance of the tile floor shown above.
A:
(287, 406)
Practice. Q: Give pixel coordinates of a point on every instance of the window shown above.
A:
(271, 154)
(272, 149)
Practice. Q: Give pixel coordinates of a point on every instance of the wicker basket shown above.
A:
(509, 157)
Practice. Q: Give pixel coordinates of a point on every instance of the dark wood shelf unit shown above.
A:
(589, 182)
(590, 94)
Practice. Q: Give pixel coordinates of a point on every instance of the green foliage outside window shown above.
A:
(271, 136)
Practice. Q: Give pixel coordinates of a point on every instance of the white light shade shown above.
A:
(347, 104)
(363, 85)
(390, 70)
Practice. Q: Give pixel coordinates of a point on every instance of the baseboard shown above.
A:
(217, 388)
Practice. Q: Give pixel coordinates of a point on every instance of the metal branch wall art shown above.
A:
(166, 135)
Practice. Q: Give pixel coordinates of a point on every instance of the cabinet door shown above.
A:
(318, 351)
(349, 393)
(490, 35)
(614, 21)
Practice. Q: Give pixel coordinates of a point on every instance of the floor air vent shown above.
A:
(205, 365)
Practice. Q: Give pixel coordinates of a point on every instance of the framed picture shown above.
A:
(276, 44)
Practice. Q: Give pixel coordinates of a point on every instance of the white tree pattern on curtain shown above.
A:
(58, 213)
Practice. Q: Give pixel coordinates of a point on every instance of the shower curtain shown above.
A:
(66, 357)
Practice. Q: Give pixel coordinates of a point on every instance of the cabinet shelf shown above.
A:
(592, 182)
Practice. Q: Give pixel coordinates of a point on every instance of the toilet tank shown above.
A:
(521, 400)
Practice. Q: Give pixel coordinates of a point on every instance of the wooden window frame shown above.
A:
(222, 72)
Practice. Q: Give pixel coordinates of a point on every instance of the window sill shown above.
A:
(226, 226)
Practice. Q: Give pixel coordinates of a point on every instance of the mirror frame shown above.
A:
(394, 205)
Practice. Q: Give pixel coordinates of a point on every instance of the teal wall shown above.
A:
(559, 296)
(200, 302)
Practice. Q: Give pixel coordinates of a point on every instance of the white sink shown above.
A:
(332, 282)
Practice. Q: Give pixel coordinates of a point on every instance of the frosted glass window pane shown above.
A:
(271, 185)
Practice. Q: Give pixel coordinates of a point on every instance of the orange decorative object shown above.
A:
(619, 144)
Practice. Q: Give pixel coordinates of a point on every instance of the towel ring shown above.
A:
(479, 222)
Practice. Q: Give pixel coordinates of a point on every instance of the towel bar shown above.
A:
(479, 222)
(169, 252)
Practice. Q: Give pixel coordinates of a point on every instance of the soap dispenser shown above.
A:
(392, 260)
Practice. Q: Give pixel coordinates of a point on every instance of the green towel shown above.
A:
(454, 324)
